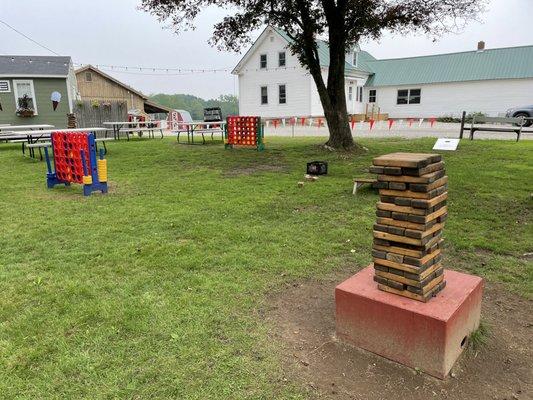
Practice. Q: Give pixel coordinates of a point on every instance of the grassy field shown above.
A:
(157, 290)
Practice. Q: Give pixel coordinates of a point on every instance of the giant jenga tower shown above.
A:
(410, 217)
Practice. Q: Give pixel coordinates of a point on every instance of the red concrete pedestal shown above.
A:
(429, 336)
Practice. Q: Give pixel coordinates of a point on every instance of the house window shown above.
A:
(25, 88)
(350, 93)
(5, 87)
(409, 96)
(282, 94)
(282, 59)
(372, 95)
(414, 96)
(88, 77)
(263, 61)
(360, 94)
(264, 95)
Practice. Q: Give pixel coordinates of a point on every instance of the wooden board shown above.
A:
(431, 285)
(398, 250)
(397, 278)
(401, 209)
(423, 171)
(423, 298)
(430, 270)
(420, 187)
(407, 160)
(432, 230)
(431, 203)
(424, 179)
(405, 193)
(403, 293)
(436, 214)
(402, 267)
(401, 224)
(397, 238)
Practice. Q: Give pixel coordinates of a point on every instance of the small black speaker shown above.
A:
(317, 168)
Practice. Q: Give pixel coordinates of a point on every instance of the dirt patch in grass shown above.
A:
(302, 321)
(253, 169)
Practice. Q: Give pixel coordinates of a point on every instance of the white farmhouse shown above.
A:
(273, 83)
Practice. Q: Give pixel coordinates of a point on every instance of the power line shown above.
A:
(29, 38)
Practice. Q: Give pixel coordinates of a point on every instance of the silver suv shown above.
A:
(526, 112)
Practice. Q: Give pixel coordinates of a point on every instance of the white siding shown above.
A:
(491, 97)
(293, 75)
(353, 106)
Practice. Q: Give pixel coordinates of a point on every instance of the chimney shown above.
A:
(481, 46)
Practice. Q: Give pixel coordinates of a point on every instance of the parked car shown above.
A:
(526, 111)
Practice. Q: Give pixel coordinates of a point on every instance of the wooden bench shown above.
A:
(358, 182)
(127, 131)
(38, 145)
(41, 144)
(479, 123)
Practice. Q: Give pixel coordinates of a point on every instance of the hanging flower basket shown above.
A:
(24, 109)
(25, 113)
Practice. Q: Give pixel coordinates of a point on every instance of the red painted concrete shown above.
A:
(422, 335)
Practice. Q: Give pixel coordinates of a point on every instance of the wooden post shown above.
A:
(462, 125)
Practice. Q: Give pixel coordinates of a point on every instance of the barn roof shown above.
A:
(34, 66)
(107, 76)
(503, 63)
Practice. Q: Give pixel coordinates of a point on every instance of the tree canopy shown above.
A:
(343, 22)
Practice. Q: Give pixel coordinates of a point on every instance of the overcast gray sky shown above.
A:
(114, 32)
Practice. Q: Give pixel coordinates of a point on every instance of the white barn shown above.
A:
(273, 83)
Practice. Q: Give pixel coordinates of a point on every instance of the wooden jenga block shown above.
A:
(410, 218)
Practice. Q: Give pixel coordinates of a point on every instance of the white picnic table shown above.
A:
(202, 127)
(118, 126)
(32, 136)
(24, 127)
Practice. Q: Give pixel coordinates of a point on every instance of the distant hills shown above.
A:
(195, 105)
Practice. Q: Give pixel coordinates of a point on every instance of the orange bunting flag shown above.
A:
(353, 122)
(303, 121)
(319, 122)
(275, 122)
(371, 123)
(432, 121)
(410, 120)
(391, 121)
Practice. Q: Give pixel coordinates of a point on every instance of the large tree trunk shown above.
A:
(332, 96)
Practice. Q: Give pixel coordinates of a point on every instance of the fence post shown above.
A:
(462, 125)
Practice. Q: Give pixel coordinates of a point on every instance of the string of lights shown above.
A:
(129, 69)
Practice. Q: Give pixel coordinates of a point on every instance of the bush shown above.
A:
(468, 119)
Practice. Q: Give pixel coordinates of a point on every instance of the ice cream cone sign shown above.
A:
(56, 98)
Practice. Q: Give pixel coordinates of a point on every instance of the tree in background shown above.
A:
(229, 104)
(343, 22)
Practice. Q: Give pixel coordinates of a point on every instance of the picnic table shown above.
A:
(128, 127)
(30, 137)
(201, 127)
(24, 127)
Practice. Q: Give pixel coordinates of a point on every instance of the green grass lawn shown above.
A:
(156, 290)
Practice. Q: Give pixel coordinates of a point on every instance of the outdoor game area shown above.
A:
(207, 272)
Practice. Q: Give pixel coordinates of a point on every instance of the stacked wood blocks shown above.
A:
(410, 217)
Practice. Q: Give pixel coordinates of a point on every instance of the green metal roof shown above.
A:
(504, 63)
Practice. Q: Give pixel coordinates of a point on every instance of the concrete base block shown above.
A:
(429, 336)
